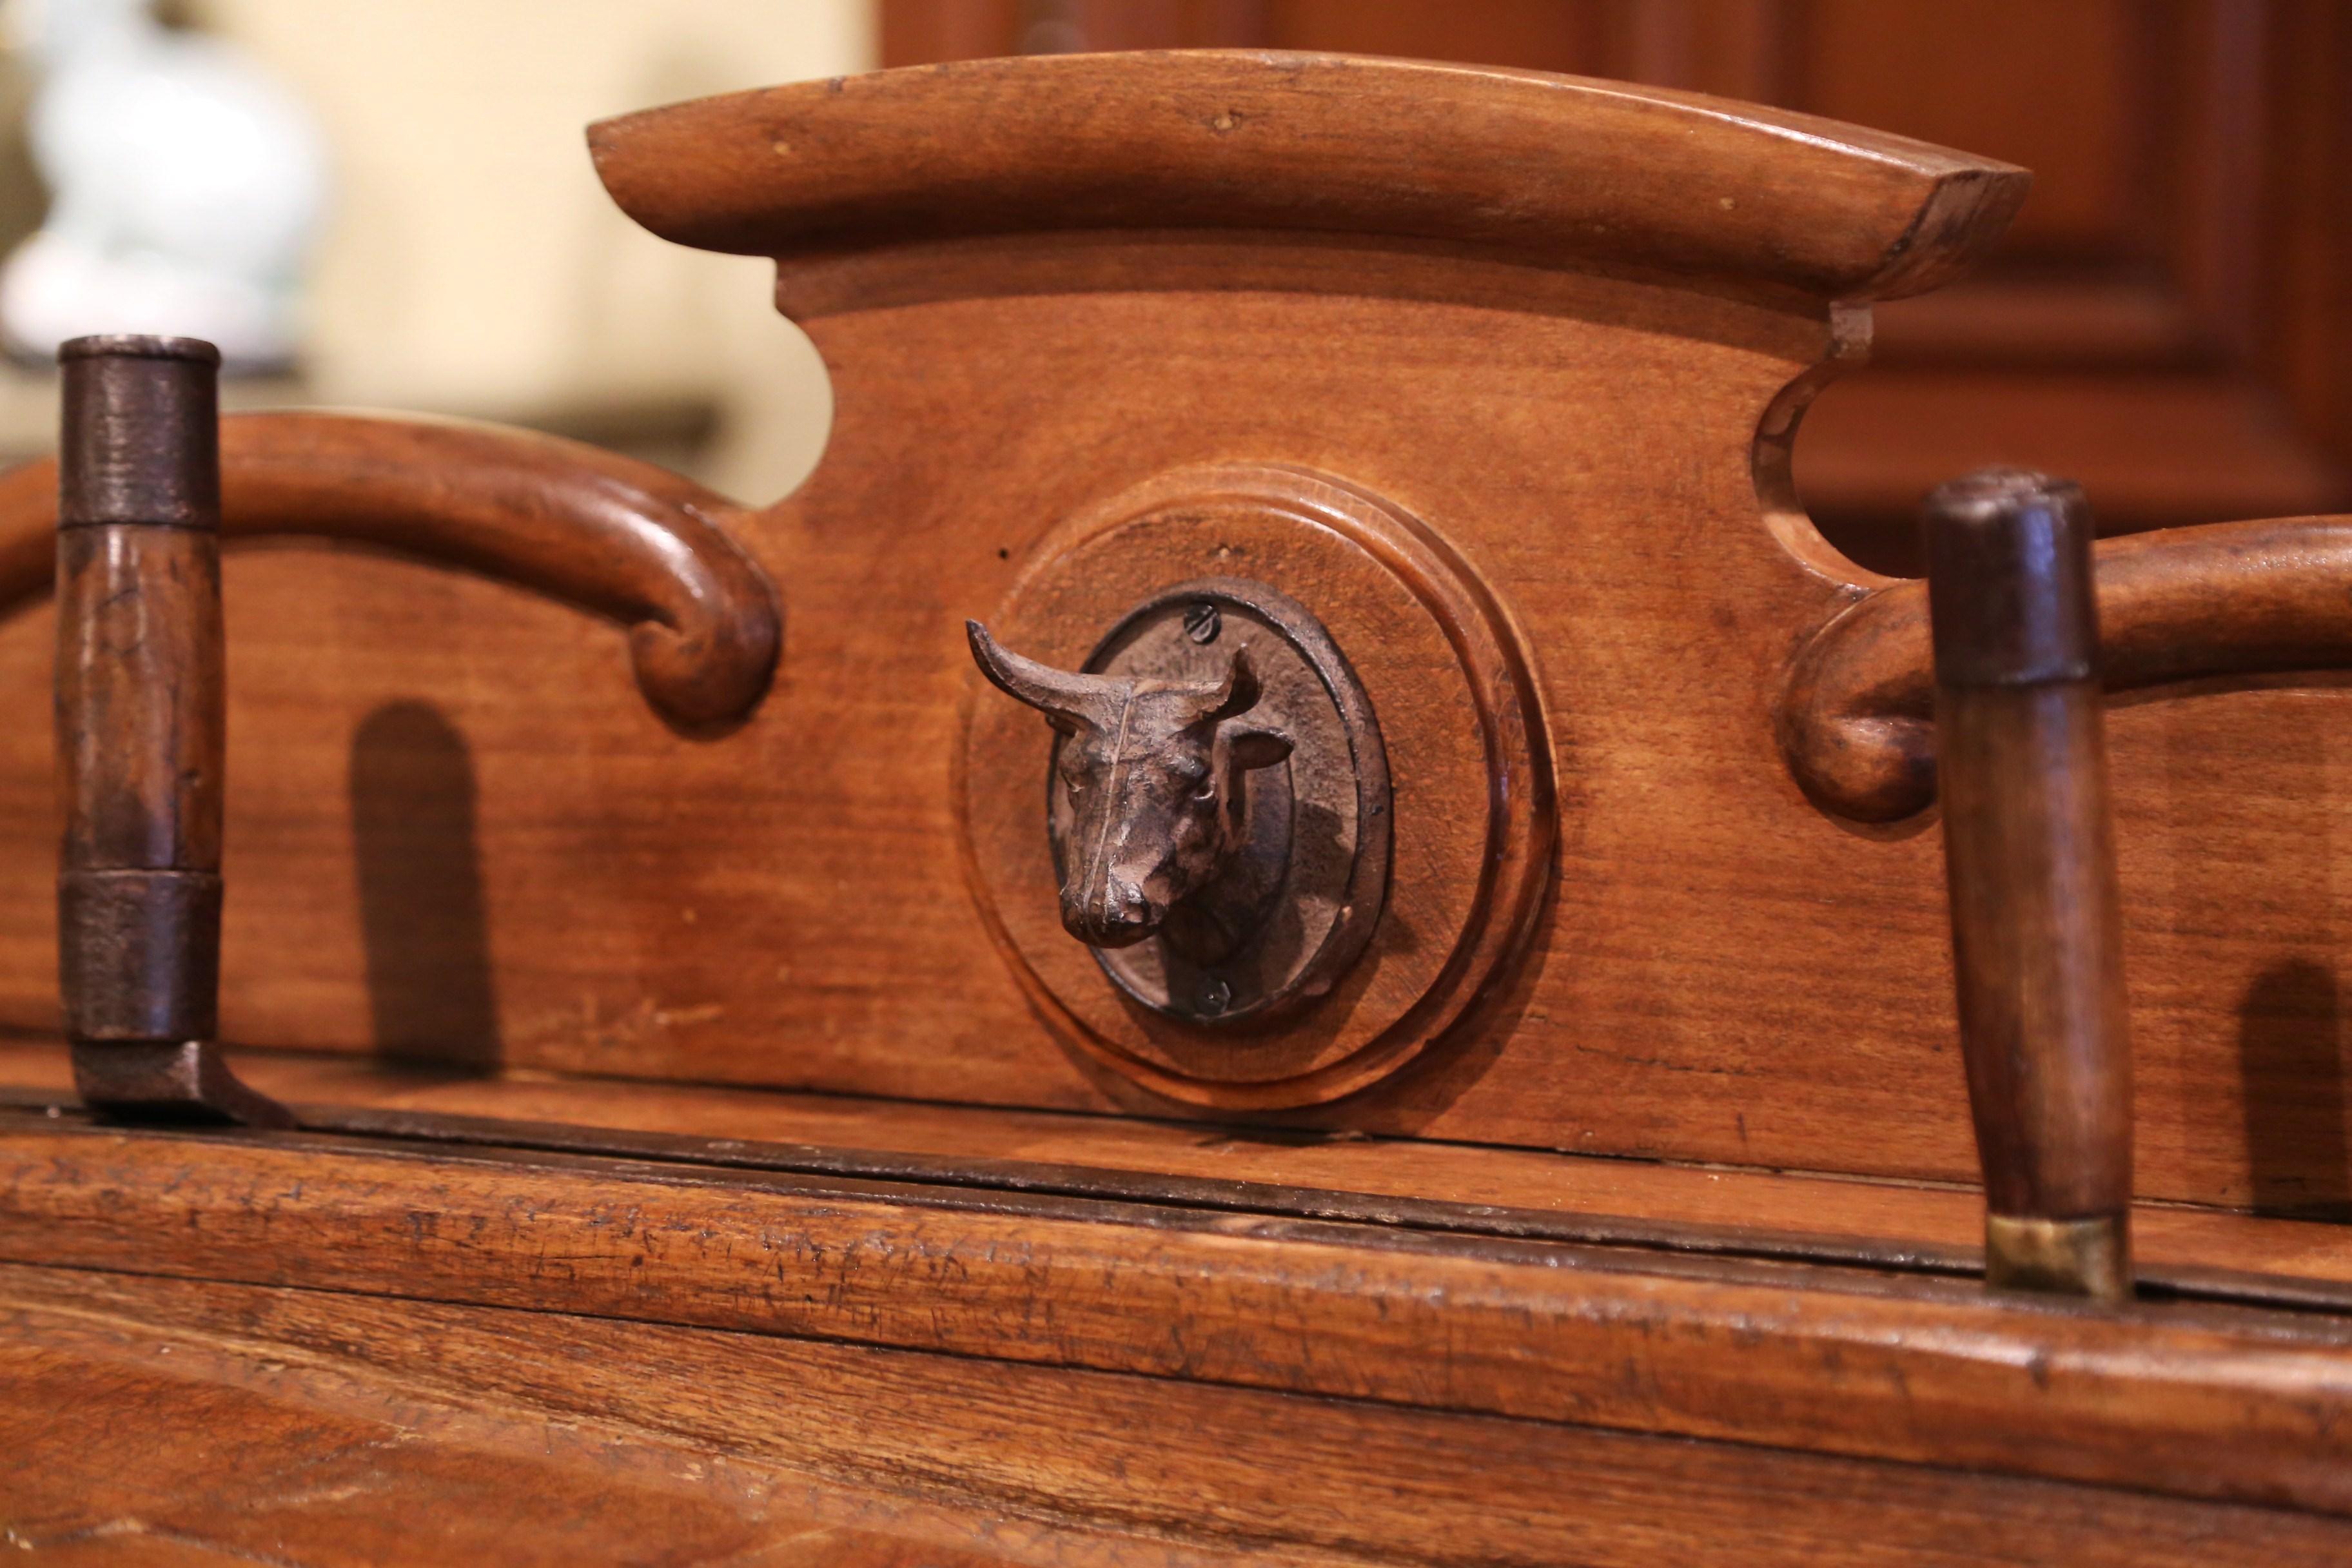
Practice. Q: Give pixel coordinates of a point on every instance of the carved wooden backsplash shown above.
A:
(1532, 352)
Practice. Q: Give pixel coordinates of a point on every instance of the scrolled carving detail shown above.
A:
(607, 534)
(2210, 600)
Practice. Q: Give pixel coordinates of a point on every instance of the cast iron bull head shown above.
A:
(1153, 770)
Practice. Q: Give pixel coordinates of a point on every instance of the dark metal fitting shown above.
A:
(141, 444)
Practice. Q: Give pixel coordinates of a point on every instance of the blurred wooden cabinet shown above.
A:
(2170, 318)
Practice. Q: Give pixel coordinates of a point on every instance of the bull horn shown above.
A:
(1062, 695)
(1239, 693)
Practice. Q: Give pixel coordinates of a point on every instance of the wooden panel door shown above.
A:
(2170, 320)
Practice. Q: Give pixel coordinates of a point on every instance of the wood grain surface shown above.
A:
(1740, 1210)
(1722, 972)
(177, 1422)
(1556, 168)
(2202, 1401)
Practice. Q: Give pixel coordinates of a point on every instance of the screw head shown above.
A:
(1202, 622)
(1215, 997)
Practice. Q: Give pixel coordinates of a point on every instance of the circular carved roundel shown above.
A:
(1471, 822)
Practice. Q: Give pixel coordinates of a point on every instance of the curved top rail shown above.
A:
(1560, 170)
(616, 537)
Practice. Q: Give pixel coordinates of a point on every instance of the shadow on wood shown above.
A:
(2290, 1050)
(430, 994)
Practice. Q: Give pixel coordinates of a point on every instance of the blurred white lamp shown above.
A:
(185, 185)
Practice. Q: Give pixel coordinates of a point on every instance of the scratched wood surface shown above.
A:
(2198, 1400)
(1723, 1203)
(452, 830)
(189, 1423)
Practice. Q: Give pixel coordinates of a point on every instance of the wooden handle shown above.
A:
(617, 538)
(141, 713)
(2036, 920)
(2175, 605)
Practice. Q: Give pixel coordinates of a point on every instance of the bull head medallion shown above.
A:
(1217, 799)
(1153, 769)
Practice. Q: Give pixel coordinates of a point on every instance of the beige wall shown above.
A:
(472, 264)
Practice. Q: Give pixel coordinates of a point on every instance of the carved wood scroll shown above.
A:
(607, 534)
(2178, 604)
